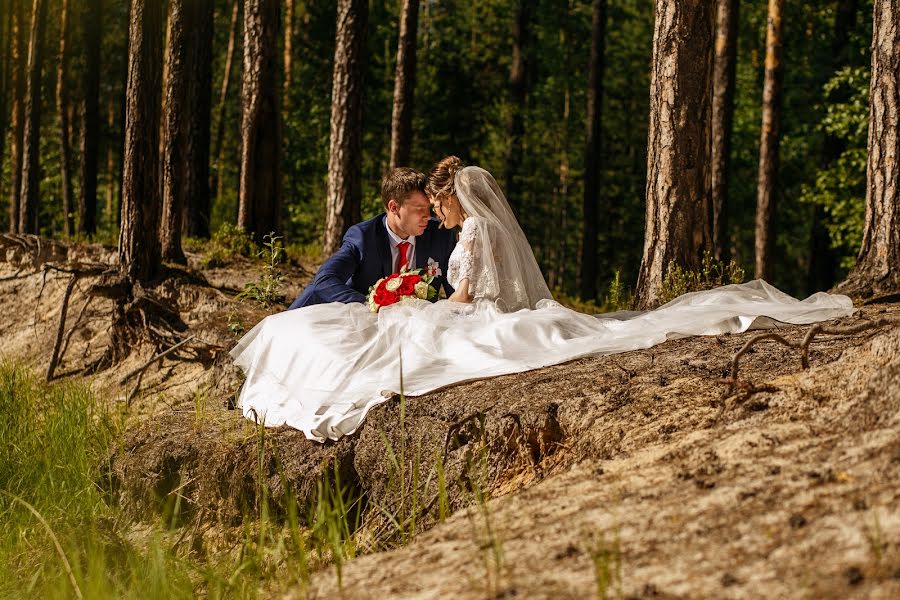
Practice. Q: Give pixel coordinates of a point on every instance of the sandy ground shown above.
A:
(633, 464)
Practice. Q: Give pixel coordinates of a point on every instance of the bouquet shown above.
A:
(405, 285)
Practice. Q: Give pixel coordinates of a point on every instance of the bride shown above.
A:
(321, 368)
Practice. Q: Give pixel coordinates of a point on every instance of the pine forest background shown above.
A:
(464, 102)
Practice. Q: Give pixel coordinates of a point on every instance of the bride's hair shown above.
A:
(440, 180)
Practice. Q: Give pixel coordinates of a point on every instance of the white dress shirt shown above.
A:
(395, 252)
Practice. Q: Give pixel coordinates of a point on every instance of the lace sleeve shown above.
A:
(467, 256)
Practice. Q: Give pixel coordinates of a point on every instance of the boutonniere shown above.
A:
(433, 269)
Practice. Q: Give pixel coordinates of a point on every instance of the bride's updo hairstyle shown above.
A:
(440, 181)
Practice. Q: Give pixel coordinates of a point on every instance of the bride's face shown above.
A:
(448, 210)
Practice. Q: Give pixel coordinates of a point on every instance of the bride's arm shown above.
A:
(461, 294)
(467, 261)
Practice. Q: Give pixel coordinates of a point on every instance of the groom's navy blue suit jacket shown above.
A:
(365, 257)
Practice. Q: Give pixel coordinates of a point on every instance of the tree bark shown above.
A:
(111, 177)
(91, 30)
(31, 140)
(139, 249)
(196, 188)
(722, 119)
(175, 121)
(592, 152)
(767, 186)
(876, 272)
(19, 52)
(404, 85)
(518, 93)
(260, 182)
(345, 156)
(679, 194)
(214, 177)
(62, 109)
(7, 13)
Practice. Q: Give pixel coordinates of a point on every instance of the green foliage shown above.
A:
(265, 290)
(713, 273)
(840, 187)
(228, 243)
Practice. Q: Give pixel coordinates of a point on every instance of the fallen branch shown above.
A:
(802, 345)
(162, 354)
(54, 357)
(140, 370)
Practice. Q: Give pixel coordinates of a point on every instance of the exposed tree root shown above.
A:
(803, 345)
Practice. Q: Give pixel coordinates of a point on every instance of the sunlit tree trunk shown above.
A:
(345, 155)
(722, 118)
(591, 201)
(877, 269)
(62, 109)
(260, 183)
(767, 185)
(175, 122)
(6, 50)
(139, 250)
(18, 57)
(31, 140)
(404, 85)
(679, 196)
(215, 179)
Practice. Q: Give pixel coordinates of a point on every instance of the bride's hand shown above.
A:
(461, 294)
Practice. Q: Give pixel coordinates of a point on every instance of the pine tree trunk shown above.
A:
(91, 30)
(111, 177)
(6, 38)
(592, 151)
(679, 195)
(62, 109)
(767, 186)
(823, 262)
(876, 272)
(518, 94)
(31, 140)
(175, 121)
(345, 156)
(196, 180)
(215, 176)
(19, 53)
(260, 183)
(139, 250)
(404, 85)
(722, 118)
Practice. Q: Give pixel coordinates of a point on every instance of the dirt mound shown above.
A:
(632, 469)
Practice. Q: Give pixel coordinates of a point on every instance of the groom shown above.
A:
(405, 235)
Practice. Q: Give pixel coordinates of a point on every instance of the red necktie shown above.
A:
(402, 260)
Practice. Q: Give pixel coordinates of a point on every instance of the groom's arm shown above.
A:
(331, 280)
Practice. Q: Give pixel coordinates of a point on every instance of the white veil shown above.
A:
(505, 271)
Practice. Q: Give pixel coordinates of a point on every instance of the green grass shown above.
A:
(63, 536)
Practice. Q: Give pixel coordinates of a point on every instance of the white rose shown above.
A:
(422, 290)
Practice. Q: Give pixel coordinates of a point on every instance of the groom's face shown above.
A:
(411, 217)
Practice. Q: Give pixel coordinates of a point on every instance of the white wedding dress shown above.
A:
(320, 369)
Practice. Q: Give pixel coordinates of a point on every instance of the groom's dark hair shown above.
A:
(400, 183)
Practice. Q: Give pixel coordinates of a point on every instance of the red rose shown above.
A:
(408, 286)
(383, 296)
